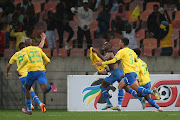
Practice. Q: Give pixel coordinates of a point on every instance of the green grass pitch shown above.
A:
(64, 115)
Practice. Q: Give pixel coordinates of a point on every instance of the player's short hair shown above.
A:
(137, 51)
(28, 41)
(21, 45)
(125, 41)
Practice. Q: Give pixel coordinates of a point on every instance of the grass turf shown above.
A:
(64, 115)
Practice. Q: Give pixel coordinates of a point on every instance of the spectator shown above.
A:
(30, 20)
(85, 18)
(119, 18)
(20, 37)
(98, 2)
(131, 34)
(103, 19)
(166, 33)
(50, 32)
(25, 6)
(63, 16)
(153, 23)
(8, 12)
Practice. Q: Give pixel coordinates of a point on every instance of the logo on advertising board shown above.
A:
(167, 89)
(168, 93)
(94, 92)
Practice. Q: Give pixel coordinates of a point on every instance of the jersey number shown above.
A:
(20, 58)
(34, 55)
(145, 69)
(131, 57)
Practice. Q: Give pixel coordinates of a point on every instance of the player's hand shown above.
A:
(43, 36)
(7, 75)
(98, 63)
(19, 74)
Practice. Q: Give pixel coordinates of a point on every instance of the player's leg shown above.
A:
(28, 101)
(131, 79)
(109, 80)
(153, 103)
(149, 99)
(104, 91)
(35, 97)
(42, 81)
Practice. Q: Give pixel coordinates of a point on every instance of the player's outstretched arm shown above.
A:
(43, 37)
(47, 61)
(106, 63)
(8, 69)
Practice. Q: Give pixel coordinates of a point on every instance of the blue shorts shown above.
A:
(130, 78)
(36, 75)
(147, 86)
(114, 76)
(23, 80)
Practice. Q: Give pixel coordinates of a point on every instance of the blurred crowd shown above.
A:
(81, 24)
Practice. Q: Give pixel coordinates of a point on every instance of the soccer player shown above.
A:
(18, 58)
(114, 76)
(145, 81)
(128, 58)
(36, 71)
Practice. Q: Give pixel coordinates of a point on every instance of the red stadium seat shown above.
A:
(115, 43)
(149, 5)
(37, 7)
(62, 52)
(140, 35)
(176, 24)
(175, 34)
(50, 6)
(145, 15)
(77, 52)
(177, 15)
(157, 52)
(149, 45)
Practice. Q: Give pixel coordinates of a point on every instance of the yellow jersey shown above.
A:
(127, 57)
(36, 56)
(18, 58)
(142, 72)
